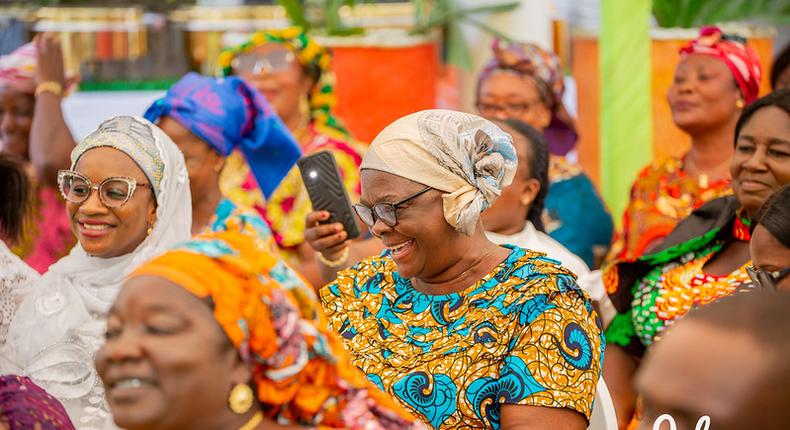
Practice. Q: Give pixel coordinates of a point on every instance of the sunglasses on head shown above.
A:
(766, 279)
(386, 212)
(113, 192)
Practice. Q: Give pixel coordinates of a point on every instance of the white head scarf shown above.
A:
(60, 325)
(464, 155)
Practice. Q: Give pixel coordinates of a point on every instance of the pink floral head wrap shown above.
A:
(17, 69)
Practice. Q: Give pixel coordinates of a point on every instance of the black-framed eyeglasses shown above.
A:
(766, 279)
(386, 212)
(113, 192)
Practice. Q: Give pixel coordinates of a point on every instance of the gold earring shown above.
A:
(740, 104)
(150, 229)
(241, 398)
(304, 106)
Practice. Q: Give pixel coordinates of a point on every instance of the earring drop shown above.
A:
(740, 104)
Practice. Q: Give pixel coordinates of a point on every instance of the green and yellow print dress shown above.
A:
(524, 334)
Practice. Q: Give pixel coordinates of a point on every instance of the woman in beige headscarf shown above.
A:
(503, 335)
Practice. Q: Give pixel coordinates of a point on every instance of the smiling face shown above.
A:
(761, 163)
(284, 88)
(164, 347)
(16, 119)
(703, 95)
(111, 232)
(422, 242)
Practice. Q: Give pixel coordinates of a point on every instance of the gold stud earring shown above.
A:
(241, 399)
(740, 104)
(150, 229)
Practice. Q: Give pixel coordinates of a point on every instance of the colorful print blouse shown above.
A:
(524, 334)
(662, 195)
(671, 290)
(288, 206)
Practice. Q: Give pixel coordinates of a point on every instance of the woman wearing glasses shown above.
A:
(706, 256)
(128, 199)
(770, 244)
(294, 74)
(459, 330)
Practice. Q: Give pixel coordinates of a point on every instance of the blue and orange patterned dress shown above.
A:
(525, 334)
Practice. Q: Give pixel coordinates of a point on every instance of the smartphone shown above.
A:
(327, 192)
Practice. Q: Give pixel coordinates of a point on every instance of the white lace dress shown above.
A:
(16, 280)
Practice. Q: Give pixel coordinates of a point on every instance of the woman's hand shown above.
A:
(331, 240)
(50, 60)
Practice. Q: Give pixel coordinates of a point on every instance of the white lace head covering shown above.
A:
(60, 325)
(464, 155)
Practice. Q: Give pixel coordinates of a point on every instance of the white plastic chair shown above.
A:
(603, 416)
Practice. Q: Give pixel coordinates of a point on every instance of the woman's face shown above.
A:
(422, 238)
(111, 232)
(166, 364)
(16, 118)
(770, 255)
(703, 95)
(509, 212)
(203, 163)
(761, 163)
(505, 95)
(283, 88)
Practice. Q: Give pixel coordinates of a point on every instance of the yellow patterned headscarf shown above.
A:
(300, 368)
(317, 62)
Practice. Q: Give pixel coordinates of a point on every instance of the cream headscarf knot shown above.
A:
(463, 155)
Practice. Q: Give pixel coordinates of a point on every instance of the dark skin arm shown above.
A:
(523, 417)
(50, 139)
(619, 369)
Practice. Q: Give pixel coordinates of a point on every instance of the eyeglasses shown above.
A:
(386, 212)
(113, 192)
(765, 279)
(511, 110)
(272, 62)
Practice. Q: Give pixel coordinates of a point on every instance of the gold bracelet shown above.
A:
(334, 263)
(49, 87)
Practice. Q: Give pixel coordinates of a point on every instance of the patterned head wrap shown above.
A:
(317, 63)
(24, 405)
(228, 114)
(742, 61)
(464, 155)
(299, 366)
(17, 69)
(528, 59)
(131, 136)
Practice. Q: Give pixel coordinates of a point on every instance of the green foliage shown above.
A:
(695, 13)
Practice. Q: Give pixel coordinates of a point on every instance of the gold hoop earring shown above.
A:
(740, 104)
(241, 399)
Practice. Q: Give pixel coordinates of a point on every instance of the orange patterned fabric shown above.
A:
(300, 368)
(662, 195)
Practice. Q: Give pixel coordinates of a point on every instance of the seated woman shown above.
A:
(294, 73)
(209, 118)
(525, 82)
(705, 258)
(140, 207)
(503, 336)
(258, 355)
(32, 127)
(25, 406)
(770, 244)
(717, 76)
(16, 277)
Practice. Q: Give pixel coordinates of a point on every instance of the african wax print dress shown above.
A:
(524, 334)
(661, 196)
(655, 290)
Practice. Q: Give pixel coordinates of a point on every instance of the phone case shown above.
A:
(325, 187)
